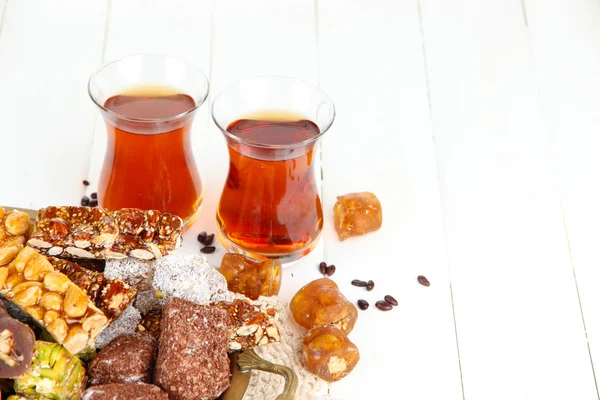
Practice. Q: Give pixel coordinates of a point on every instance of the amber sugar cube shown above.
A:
(356, 214)
(320, 302)
(251, 278)
(328, 353)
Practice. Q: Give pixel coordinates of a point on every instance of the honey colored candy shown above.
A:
(328, 353)
(251, 278)
(320, 302)
(356, 214)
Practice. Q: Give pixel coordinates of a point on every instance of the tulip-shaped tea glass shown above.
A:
(271, 206)
(148, 103)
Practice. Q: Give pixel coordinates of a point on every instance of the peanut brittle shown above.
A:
(112, 296)
(52, 300)
(251, 325)
(15, 228)
(84, 232)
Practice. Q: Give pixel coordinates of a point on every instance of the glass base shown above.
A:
(287, 260)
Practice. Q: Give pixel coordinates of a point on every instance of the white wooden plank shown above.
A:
(2, 8)
(565, 39)
(518, 319)
(258, 38)
(381, 141)
(47, 117)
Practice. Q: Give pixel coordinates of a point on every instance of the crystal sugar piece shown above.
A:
(320, 302)
(356, 214)
(328, 353)
(251, 278)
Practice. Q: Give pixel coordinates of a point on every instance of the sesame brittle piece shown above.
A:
(15, 228)
(52, 300)
(251, 325)
(112, 296)
(93, 233)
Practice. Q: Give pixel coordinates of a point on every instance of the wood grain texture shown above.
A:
(565, 38)
(382, 142)
(47, 117)
(518, 319)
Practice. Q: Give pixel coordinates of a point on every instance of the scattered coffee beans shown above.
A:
(370, 285)
(85, 201)
(423, 281)
(202, 237)
(383, 305)
(391, 300)
(330, 270)
(209, 239)
(86, 182)
(359, 283)
(94, 195)
(93, 203)
(323, 267)
(208, 249)
(362, 304)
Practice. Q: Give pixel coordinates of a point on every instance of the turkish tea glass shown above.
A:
(270, 207)
(148, 103)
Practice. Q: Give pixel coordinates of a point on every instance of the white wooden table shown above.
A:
(475, 122)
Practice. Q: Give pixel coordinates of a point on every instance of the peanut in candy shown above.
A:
(251, 278)
(328, 353)
(320, 302)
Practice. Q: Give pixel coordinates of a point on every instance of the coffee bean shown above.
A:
(85, 201)
(86, 182)
(383, 305)
(209, 239)
(362, 304)
(202, 237)
(370, 285)
(94, 195)
(359, 283)
(323, 267)
(208, 249)
(93, 203)
(391, 300)
(423, 281)
(330, 270)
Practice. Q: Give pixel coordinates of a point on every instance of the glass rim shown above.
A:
(148, 120)
(272, 146)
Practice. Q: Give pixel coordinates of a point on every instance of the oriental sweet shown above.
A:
(17, 343)
(251, 278)
(356, 214)
(85, 232)
(320, 302)
(54, 374)
(328, 353)
(15, 228)
(124, 391)
(128, 358)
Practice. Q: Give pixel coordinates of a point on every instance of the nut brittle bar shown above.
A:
(112, 296)
(15, 228)
(251, 325)
(85, 232)
(52, 300)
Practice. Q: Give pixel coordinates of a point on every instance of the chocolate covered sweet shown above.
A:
(192, 358)
(124, 391)
(128, 358)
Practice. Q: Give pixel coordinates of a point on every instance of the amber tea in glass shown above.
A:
(270, 206)
(148, 103)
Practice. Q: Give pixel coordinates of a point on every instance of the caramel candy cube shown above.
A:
(356, 214)
(251, 278)
(328, 353)
(320, 302)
